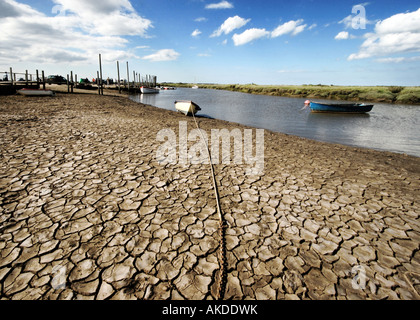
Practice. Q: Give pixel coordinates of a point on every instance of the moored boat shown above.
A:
(148, 90)
(35, 92)
(341, 107)
(187, 107)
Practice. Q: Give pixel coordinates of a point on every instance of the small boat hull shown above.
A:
(36, 93)
(147, 90)
(341, 108)
(187, 107)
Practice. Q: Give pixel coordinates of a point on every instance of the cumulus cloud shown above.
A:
(229, 25)
(106, 17)
(249, 35)
(163, 55)
(196, 33)
(397, 34)
(12, 9)
(220, 5)
(77, 33)
(344, 35)
(200, 19)
(398, 59)
(292, 27)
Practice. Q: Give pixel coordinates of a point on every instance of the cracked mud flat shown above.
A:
(86, 212)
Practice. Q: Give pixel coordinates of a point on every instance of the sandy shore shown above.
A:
(86, 212)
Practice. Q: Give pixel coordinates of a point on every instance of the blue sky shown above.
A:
(217, 41)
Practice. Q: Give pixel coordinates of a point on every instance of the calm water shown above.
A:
(388, 127)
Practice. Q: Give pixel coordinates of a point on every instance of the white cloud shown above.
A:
(313, 26)
(77, 33)
(249, 35)
(200, 19)
(220, 5)
(106, 17)
(196, 33)
(229, 25)
(349, 21)
(10, 8)
(398, 59)
(292, 27)
(343, 35)
(163, 55)
(397, 34)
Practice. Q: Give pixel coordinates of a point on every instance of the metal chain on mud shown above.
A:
(222, 279)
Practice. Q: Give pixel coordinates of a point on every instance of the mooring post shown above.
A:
(71, 81)
(97, 82)
(100, 69)
(11, 75)
(43, 80)
(68, 84)
(37, 78)
(128, 78)
(26, 77)
(118, 71)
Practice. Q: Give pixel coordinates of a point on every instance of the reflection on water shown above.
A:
(350, 127)
(388, 127)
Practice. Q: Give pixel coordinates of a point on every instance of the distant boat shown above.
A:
(36, 92)
(341, 107)
(148, 90)
(187, 107)
(167, 88)
(195, 87)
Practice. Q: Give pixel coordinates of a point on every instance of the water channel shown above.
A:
(388, 127)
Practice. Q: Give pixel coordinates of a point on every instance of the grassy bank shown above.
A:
(392, 94)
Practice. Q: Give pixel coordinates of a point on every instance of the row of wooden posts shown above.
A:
(41, 80)
(28, 78)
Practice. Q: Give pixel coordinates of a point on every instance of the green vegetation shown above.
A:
(392, 94)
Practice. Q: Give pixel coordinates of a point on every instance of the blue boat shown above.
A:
(341, 107)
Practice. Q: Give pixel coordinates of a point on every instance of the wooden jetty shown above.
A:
(11, 82)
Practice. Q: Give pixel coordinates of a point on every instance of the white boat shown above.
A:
(195, 87)
(148, 90)
(36, 92)
(187, 107)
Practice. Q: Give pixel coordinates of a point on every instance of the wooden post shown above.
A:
(68, 84)
(43, 80)
(118, 71)
(37, 78)
(134, 80)
(128, 78)
(71, 81)
(75, 79)
(26, 77)
(97, 82)
(11, 75)
(100, 69)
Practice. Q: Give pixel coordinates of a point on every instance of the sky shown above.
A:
(278, 42)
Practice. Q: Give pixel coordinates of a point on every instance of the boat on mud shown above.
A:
(187, 107)
(36, 92)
